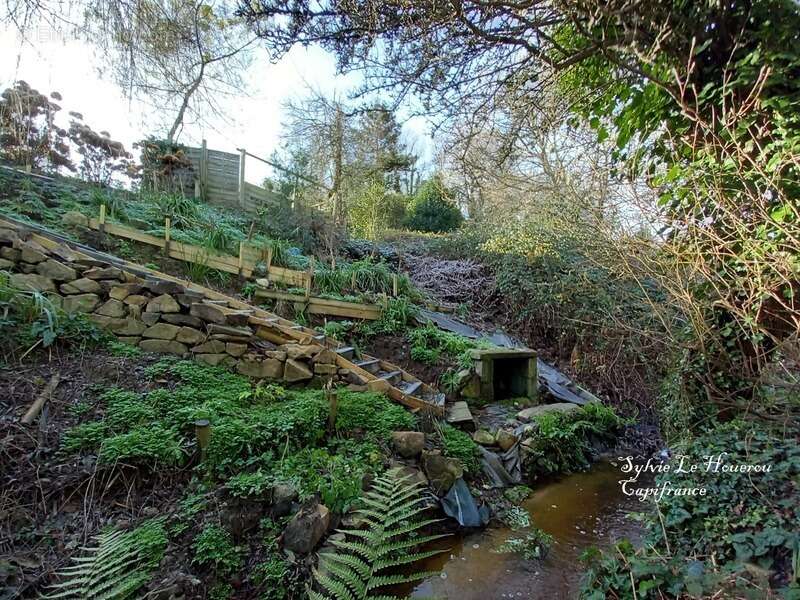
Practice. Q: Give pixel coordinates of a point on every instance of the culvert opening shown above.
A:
(510, 378)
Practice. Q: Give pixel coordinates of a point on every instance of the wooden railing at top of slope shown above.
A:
(267, 325)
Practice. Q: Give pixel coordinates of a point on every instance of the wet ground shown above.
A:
(579, 511)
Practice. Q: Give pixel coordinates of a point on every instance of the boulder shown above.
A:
(207, 312)
(380, 386)
(55, 270)
(529, 414)
(190, 336)
(112, 308)
(80, 303)
(483, 437)
(8, 236)
(325, 369)
(163, 304)
(163, 346)
(283, 496)
(105, 322)
(230, 331)
(80, 286)
(276, 354)
(26, 267)
(6, 264)
(31, 254)
(150, 318)
(212, 360)
(97, 273)
(136, 300)
(164, 287)
(235, 349)
(506, 439)
(296, 371)
(120, 292)
(324, 357)
(261, 369)
(32, 282)
(408, 444)
(237, 318)
(12, 254)
(306, 529)
(179, 319)
(129, 327)
(161, 331)
(297, 351)
(73, 218)
(442, 472)
(210, 347)
(413, 474)
(187, 298)
(131, 340)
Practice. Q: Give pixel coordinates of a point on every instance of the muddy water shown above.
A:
(579, 511)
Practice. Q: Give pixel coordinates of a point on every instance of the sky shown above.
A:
(53, 61)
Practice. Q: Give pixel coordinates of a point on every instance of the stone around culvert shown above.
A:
(408, 444)
(506, 440)
(483, 437)
(306, 529)
(442, 472)
(283, 496)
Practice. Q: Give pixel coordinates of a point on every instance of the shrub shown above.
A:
(433, 209)
(86, 436)
(149, 445)
(458, 444)
(705, 545)
(214, 547)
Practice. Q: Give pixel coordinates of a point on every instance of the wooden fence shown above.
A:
(220, 180)
(245, 265)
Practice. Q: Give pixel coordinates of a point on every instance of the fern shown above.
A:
(367, 556)
(116, 568)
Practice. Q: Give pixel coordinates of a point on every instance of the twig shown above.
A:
(36, 407)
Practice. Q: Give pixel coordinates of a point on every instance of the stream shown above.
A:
(579, 511)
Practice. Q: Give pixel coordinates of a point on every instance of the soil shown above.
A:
(396, 349)
(52, 504)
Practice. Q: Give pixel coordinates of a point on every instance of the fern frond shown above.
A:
(115, 568)
(390, 511)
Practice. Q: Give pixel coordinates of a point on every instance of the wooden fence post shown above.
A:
(309, 277)
(167, 234)
(269, 260)
(204, 171)
(102, 220)
(394, 285)
(242, 155)
(241, 259)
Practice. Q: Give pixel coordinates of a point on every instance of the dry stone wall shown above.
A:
(159, 315)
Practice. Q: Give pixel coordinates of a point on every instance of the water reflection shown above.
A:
(579, 511)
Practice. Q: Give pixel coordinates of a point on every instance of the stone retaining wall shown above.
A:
(159, 315)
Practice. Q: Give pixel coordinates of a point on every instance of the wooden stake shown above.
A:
(102, 220)
(333, 401)
(167, 232)
(309, 277)
(241, 258)
(269, 259)
(38, 404)
(394, 284)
